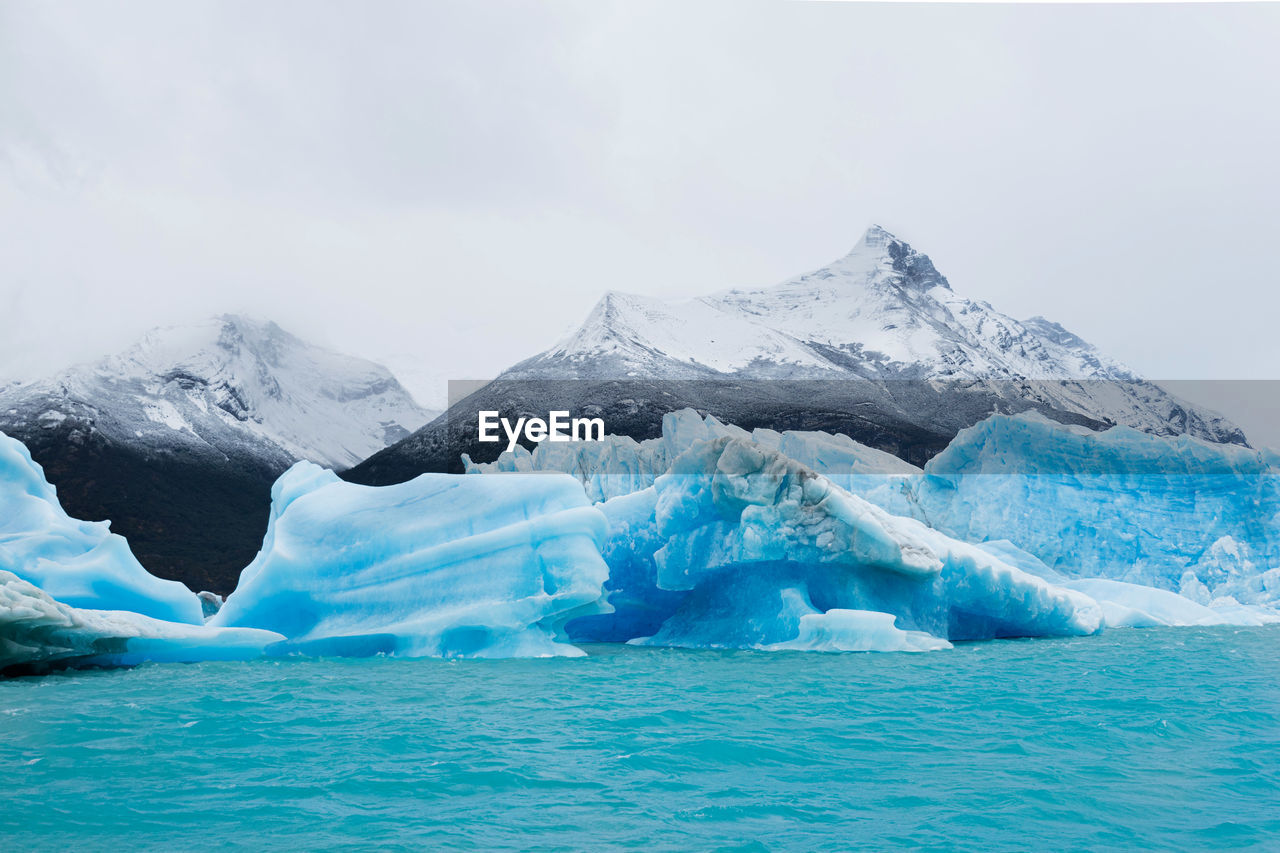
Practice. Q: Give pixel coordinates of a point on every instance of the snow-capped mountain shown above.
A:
(177, 439)
(229, 384)
(876, 345)
(882, 312)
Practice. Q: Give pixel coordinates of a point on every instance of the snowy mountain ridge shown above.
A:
(230, 383)
(882, 312)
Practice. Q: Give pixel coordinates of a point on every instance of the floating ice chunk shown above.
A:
(854, 631)
(443, 565)
(859, 631)
(35, 629)
(80, 563)
(1127, 605)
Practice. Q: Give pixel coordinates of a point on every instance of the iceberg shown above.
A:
(443, 565)
(851, 631)
(36, 631)
(1127, 605)
(79, 563)
(739, 546)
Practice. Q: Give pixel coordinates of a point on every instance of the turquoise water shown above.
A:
(1155, 739)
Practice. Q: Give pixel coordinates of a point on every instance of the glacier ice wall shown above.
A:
(1170, 512)
(80, 563)
(442, 565)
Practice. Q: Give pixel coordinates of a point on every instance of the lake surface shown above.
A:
(1154, 739)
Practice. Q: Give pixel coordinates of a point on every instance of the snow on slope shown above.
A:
(644, 332)
(227, 384)
(882, 312)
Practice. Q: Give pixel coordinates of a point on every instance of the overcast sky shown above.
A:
(449, 187)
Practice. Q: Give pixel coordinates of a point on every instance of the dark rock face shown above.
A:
(917, 270)
(190, 519)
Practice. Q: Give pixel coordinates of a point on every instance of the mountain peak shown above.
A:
(246, 321)
(237, 384)
(877, 237)
(915, 270)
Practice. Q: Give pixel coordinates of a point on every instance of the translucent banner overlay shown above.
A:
(1041, 427)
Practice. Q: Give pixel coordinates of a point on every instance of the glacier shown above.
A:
(79, 563)
(443, 565)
